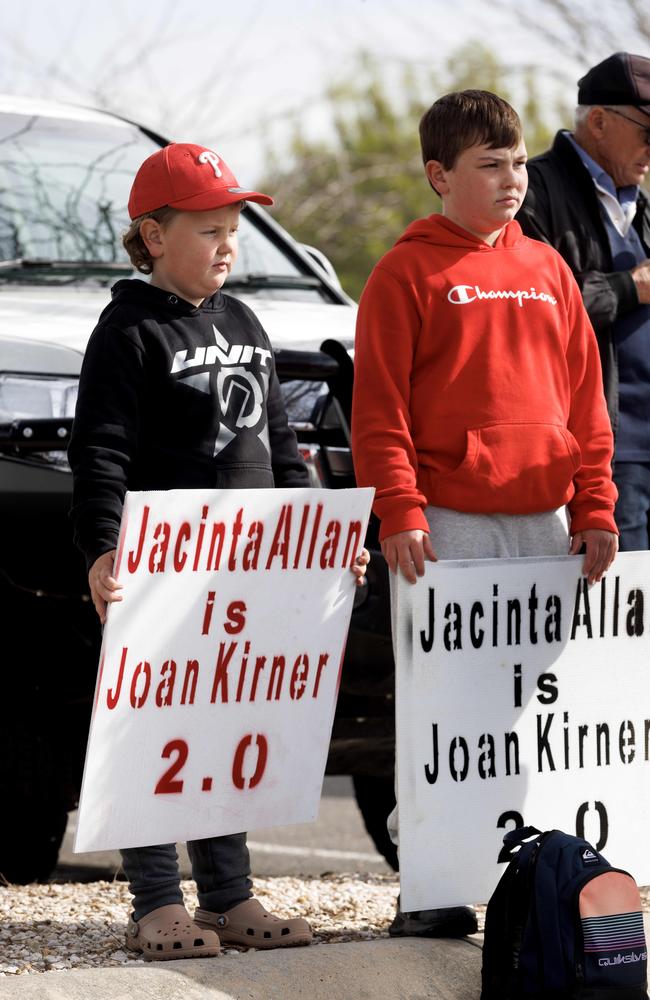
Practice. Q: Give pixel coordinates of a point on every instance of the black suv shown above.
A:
(65, 174)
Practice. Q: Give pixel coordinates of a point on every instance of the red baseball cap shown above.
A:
(188, 177)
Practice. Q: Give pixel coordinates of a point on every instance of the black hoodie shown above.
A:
(174, 396)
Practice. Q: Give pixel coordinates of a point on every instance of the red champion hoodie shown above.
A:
(477, 382)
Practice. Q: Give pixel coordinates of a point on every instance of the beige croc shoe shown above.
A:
(169, 932)
(250, 925)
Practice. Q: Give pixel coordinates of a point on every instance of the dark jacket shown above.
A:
(174, 396)
(562, 208)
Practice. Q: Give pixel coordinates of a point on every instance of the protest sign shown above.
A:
(219, 669)
(523, 697)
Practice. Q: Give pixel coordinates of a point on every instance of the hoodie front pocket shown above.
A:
(512, 468)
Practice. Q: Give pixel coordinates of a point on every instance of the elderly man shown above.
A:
(584, 199)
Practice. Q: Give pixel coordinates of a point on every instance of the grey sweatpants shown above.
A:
(456, 535)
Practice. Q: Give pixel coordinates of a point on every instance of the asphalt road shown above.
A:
(336, 842)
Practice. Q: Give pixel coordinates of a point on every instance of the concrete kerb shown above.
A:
(408, 969)
(385, 969)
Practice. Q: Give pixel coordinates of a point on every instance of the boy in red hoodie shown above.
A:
(478, 410)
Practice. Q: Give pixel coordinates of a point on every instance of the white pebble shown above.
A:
(82, 925)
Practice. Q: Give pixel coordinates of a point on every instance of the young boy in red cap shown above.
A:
(143, 424)
(478, 410)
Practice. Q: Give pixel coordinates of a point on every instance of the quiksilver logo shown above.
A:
(619, 959)
(461, 295)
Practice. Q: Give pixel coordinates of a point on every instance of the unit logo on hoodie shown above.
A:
(240, 391)
(461, 295)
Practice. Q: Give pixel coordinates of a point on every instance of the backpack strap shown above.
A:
(514, 839)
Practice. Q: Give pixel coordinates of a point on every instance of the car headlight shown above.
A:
(25, 396)
(33, 397)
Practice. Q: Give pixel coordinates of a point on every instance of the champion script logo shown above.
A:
(461, 295)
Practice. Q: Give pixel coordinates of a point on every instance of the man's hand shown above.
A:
(641, 275)
(601, 548)
(103, 585)
(408, 550)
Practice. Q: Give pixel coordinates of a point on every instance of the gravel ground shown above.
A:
(81, 926)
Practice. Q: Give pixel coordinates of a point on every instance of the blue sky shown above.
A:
(233, 82)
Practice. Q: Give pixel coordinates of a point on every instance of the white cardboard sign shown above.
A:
(220, 668)
(523, 697)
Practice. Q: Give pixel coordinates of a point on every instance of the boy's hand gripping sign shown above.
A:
(220, 667)
(523, 698)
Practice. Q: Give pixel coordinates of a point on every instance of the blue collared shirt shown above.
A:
(619, 203)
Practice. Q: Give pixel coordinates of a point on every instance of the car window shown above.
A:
(64, 186)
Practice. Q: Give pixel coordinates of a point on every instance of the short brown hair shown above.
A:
(135, 245)
(467, 118)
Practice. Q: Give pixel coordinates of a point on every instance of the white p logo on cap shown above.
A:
(207, 156)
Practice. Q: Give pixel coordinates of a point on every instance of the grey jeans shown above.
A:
(456, 535)
(220, 868)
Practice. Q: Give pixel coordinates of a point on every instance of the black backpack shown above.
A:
(562, 924)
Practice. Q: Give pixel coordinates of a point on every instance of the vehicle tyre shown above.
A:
(30, 840)
(43, 736)
(34, 799)
(375, 797)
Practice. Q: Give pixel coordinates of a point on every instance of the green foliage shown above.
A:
(354, 194)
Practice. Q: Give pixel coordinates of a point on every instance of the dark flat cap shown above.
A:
(622, 78)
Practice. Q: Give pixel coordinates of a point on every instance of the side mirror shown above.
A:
(323, 262)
